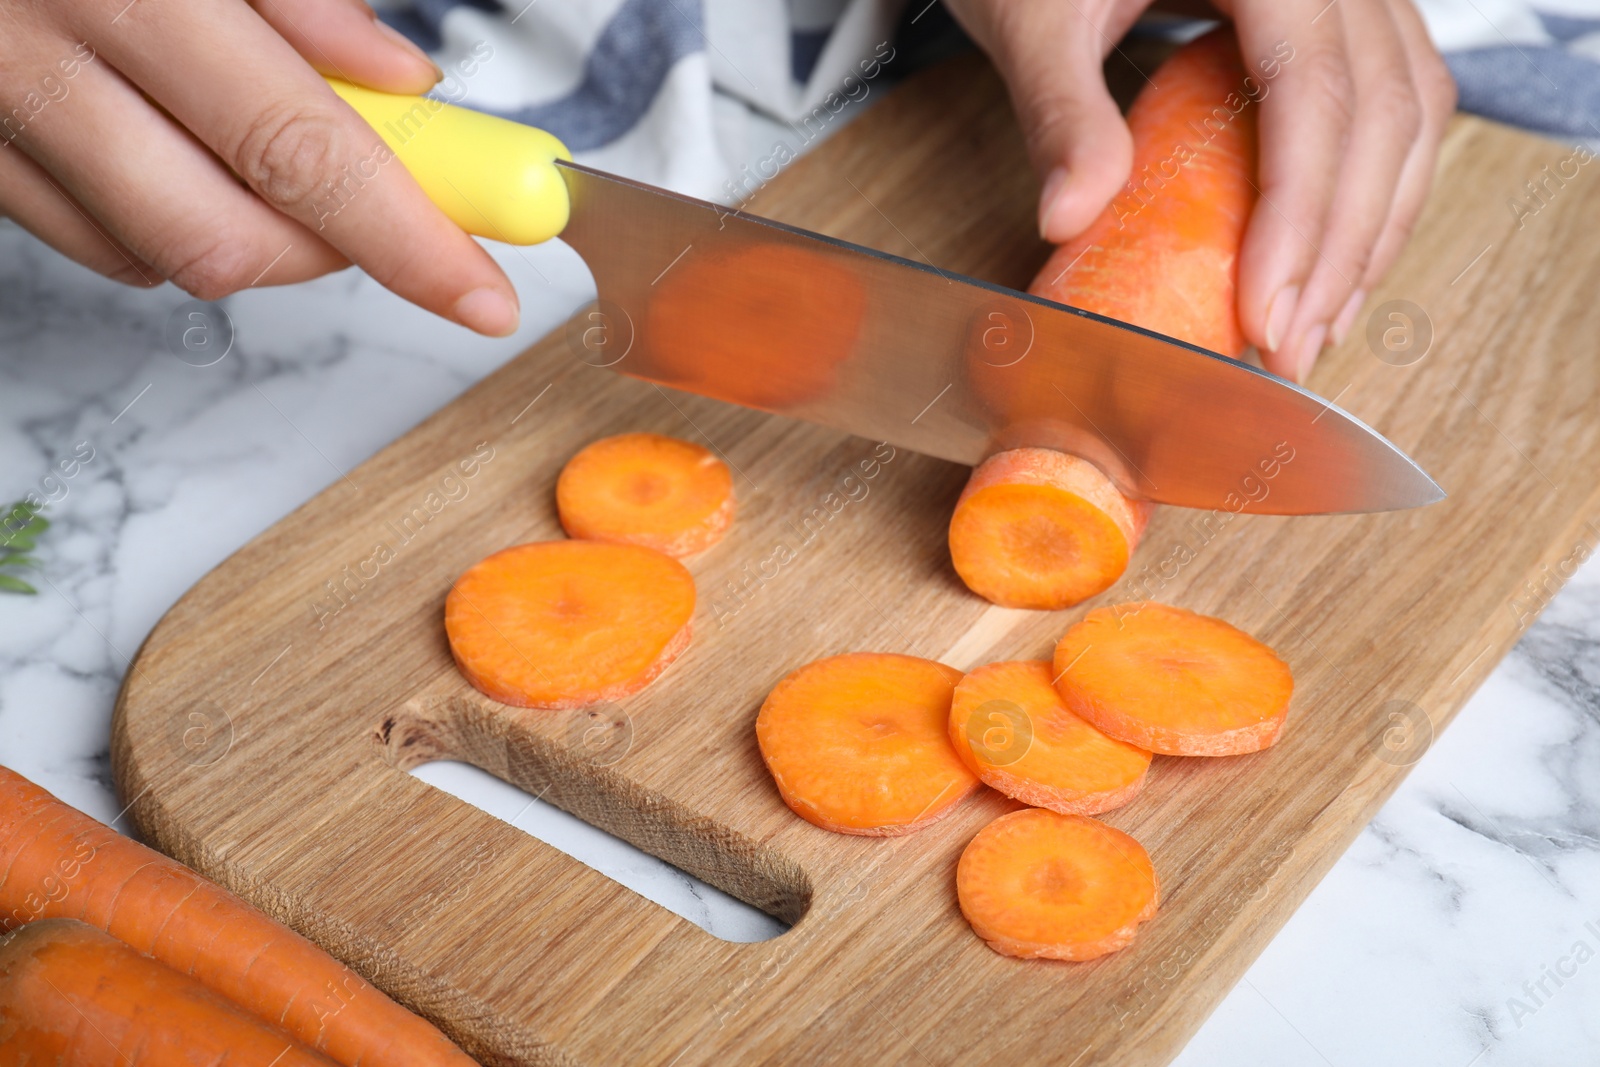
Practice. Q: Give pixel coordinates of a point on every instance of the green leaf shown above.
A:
(21, 523)
(20, 526)
(16, 585)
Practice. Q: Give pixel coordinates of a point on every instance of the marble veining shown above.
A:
(1461, 928)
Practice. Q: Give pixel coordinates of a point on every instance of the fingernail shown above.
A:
(409, 45)
(1047, 199)
(1279, 314)
(1347, 315)
(1310, 348)
(488, 312)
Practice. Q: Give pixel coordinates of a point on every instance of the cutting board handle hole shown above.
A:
(586, 807)
(686, 896)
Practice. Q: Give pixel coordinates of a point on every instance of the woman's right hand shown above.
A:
(1349, 136)
(196, 141)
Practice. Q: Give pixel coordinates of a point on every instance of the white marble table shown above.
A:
(1459, 929)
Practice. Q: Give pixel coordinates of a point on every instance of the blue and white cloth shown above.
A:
(1535, 65)
(680, 93)
(690, 94)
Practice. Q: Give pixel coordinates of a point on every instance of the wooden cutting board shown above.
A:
(263, 734)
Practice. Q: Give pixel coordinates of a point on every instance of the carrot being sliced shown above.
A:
(71, 994)
(857, 743)
(1009, 725)
(1163, 255)
(646, 489)
(56, 862)
(1173, 681)
(1038, 884)
(561, 624)
(1036, 528)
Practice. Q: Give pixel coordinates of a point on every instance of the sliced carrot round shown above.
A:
(1173, 681)
(1036, 883)
(857, 743)
(646, 489)
(1009, 726)
(1036, 528)
(561, 624)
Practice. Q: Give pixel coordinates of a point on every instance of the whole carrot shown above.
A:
(71, 994)
(55, 862)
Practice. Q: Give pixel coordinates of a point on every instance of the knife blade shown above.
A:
(710, 300)
(717, 302)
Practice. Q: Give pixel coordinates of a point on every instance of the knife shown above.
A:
(712, 300)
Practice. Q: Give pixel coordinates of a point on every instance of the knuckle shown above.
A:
(1438, 86)
(1044, 119)
(1053, 121)
(1326, 72)
(284, 152)
(218, 269)
(1358, 259)
(1401, 227)
(1395, 105)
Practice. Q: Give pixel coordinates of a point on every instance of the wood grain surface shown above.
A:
(284, 778)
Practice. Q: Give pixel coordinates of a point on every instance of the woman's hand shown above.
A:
(194, 140)
(1349, 136)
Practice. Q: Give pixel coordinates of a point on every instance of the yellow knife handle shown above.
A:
(492, 177)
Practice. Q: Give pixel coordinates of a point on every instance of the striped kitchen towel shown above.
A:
(1535, 65)
(710, 97)
(680, 93)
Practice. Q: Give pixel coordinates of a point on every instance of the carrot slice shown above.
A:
(1173, 681)
(1038, 884)
(561, 624)
(56, 862)
(646, 489)
(72, 994)
(1009, 726)
(1036, 528)
(857, 743)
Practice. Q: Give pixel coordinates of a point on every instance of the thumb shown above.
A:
(1050, 56)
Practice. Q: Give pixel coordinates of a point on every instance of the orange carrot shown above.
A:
(72, 994)
(561, 624)
(1036, 528)
(734, 353)
(1009, 726)
(646, 489)
(1035, 884)
(1172, 681)
(55, 861)
(857, 743)
(1163, 255)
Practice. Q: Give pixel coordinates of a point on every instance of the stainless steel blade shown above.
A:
(709, 300)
